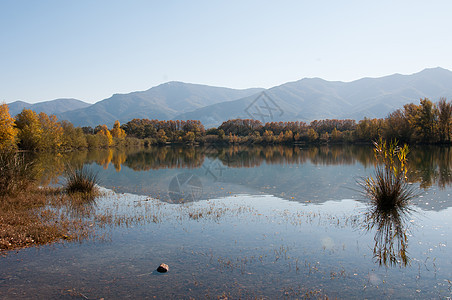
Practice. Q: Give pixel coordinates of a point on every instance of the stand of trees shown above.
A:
(427, 123)
(40, 132)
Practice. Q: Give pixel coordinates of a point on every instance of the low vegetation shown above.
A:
(388, 189)
(81, 180)
(29, 214)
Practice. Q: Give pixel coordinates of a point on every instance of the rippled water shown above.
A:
(242, 223)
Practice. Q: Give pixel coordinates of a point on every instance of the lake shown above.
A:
(244, 222)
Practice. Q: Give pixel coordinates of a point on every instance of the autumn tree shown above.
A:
(336, 135)
(397, 126)
(103, 131)
(161, 136)
(444, 119)
(117, 131)
(52, 132)
(312, 135)
(426, 120)
(189, 137)
(30, 132)
(8, 132)
(73, 138)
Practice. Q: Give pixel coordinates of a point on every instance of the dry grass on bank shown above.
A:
(33, 218)
(30, 215)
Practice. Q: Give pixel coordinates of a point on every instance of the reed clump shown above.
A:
(389, 193)
(81, 179)
(389, 188)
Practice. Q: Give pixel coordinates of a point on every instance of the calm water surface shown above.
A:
(264, 222)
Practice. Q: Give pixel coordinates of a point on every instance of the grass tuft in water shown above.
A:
(389, 189)
(81, 180)
(389, 193)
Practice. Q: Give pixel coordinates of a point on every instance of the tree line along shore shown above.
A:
(423, 123)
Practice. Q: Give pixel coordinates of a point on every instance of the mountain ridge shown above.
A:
(308, 99)
(49, 107)
(305, 99)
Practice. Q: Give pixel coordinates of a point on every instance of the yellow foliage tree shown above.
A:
(30, 131)
(104, 131)
(8, 132)
(117, 132)
(52, 132)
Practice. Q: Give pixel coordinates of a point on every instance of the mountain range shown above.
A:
(304, 100)
(49, 107)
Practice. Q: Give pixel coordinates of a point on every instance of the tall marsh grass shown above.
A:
(16, 173)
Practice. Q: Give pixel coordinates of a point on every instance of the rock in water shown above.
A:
(163, 268)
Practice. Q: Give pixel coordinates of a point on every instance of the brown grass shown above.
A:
(32, 218)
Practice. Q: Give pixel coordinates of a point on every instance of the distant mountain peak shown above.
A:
(435, 70)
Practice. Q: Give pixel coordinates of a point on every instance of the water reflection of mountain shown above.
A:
(315, 175)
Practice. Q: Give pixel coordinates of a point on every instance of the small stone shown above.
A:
(163, 268)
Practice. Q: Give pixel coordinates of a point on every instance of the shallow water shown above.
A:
(268, 223)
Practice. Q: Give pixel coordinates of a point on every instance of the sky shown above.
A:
(89, 50)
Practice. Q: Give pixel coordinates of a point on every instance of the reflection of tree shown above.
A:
(164, 157)
(390, 248)
(119, 157)
(428, 164)
(252, 156)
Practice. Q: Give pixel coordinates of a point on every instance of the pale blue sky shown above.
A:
(91, 49)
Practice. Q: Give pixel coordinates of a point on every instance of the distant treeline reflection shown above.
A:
(428, 165)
